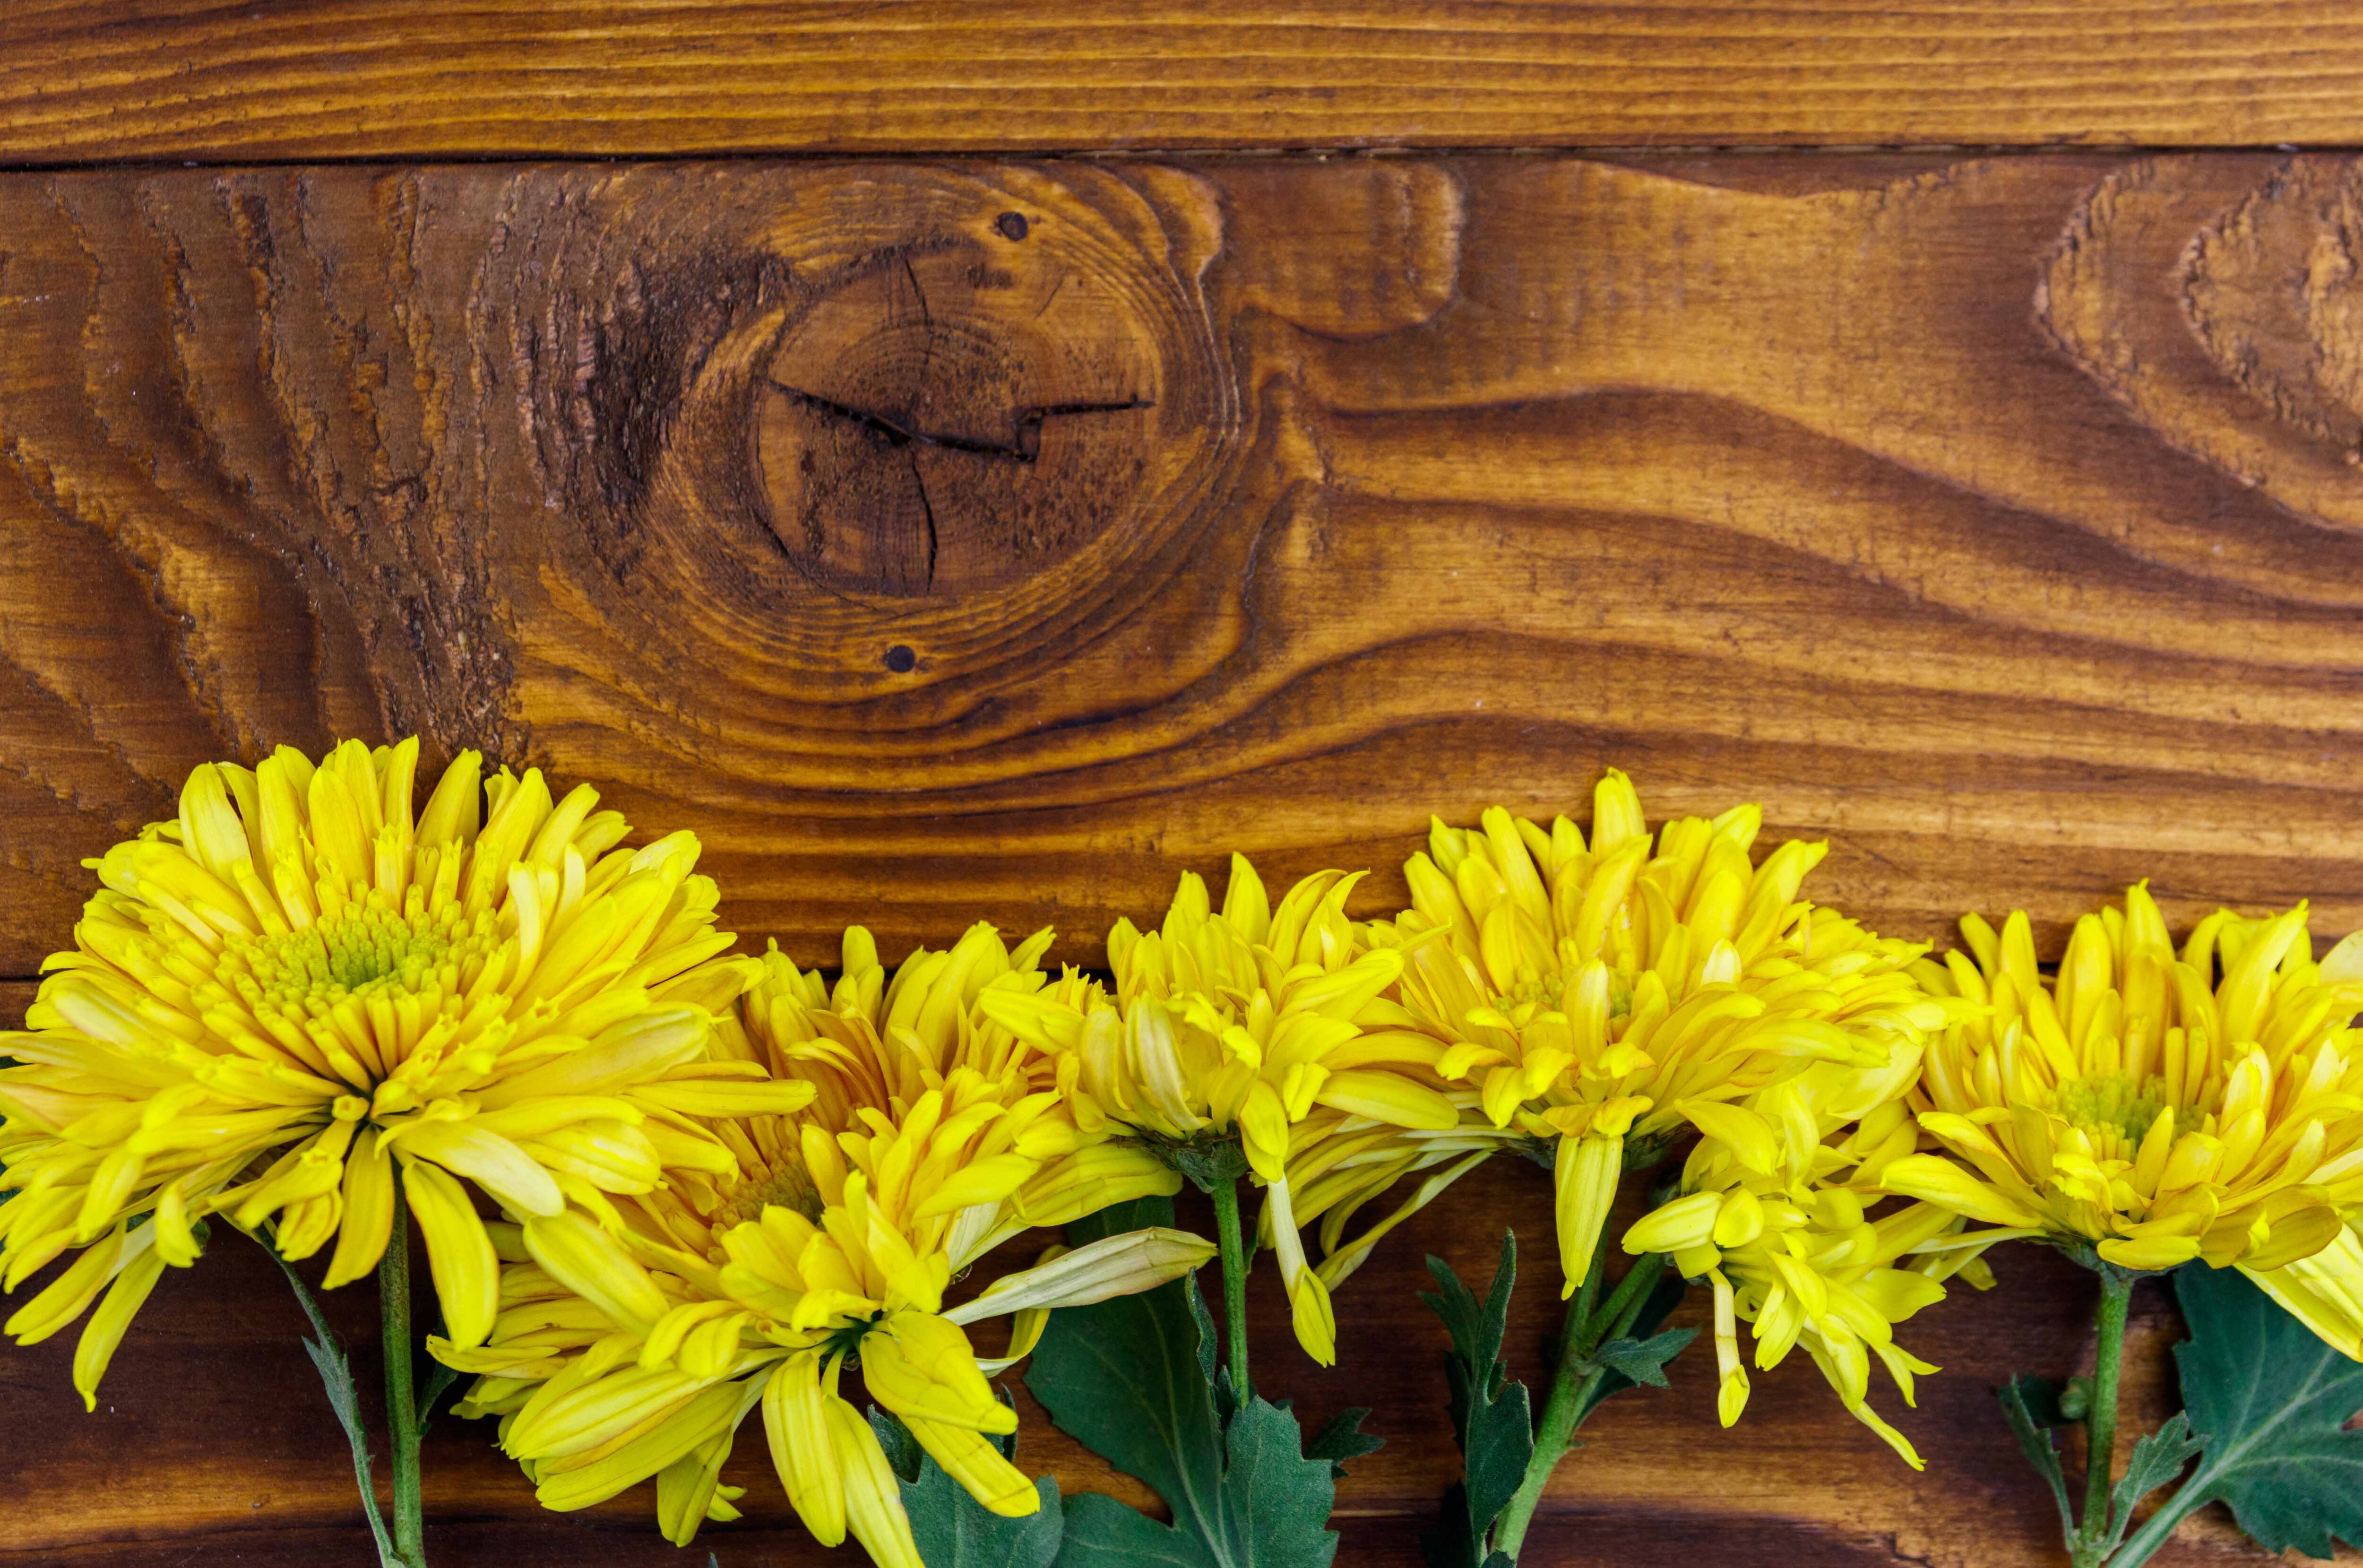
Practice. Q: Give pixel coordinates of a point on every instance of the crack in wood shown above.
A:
(1026, 446)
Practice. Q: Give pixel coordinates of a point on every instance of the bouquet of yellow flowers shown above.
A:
(662, 1186)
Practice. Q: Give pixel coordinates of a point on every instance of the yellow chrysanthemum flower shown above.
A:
(1338, 1163)
(1238, 1026)
(2143, 1109)
(1774, 1218)
(299, 987)
(639, 1334)
(1623, 989)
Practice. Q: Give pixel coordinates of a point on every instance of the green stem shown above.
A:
(1615, 1319)
(1579, 1311)
(2101, 1421)
(2156, 1528)
(1235, 1258)
(1573, 1385)
(329, 1355)
(401, 1392)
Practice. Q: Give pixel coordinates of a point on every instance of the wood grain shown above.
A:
(947, 539)
(91, 80)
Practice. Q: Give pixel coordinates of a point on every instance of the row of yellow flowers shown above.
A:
(310, 1005)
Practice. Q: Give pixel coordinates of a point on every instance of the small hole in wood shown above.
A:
(900, 660)
(1013, 225)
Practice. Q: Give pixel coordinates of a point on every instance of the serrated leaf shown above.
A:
(952, 1528)
(1270, 1509)
(2271, 1401)
(2039, 1397)
(2156, 1460)
(1276, 1499)
(1492, 1419)
(1641, 1362)
(1227, 1399)
(337, 1377)
(1124, 1378)
(1663, 1298)
(1104, 1533)
(1208, 1358)
(2025, 1402)
(327, 1353)
(1343, 1438)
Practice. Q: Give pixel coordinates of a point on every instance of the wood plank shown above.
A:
(238, 1457)
(953, 539)
(88, 80)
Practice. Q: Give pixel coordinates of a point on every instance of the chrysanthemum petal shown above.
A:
(578, 1252)
(920, 1365)
(1940, 1181)
(466, 1272)
(873, 1499)
(803, 1448)
(969, 1457)
(106, 1327)
(1114, 1265)
(2323, 1291)
(1585, 1172)
(712, 1414)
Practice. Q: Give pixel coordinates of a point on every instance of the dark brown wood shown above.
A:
(953, 539)
(84, 80)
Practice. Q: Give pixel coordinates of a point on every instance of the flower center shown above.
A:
(1547, 992)
(2115, 1102)
(783, 1186)
(360, 951)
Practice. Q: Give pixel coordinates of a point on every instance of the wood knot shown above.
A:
(2222, 301)
(944, 419)
(800, 417)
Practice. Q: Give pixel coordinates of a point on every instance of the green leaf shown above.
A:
(2271, 1401)
(2156, 1460)
(327, 1353)
(1124, 1378)
(1492, 1419)
(1104, 1533)
(439, 1383)
(953, 1529)
(1643, 1360)
(2031, 1407)
(1343, 1438)
(337, 1377)
(1276, 1499)
(1271, 1510)
(902, 1451)
(1227, 1399)
(1663, 1298)
(2045, 1401)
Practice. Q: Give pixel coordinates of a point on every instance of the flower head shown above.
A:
(1606, 995)
(306, 986)
(1230, 1029)
(641, 1332)
(2148, 1107)
(1775, 1215)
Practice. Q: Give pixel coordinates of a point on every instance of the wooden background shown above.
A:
(1050, 450)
